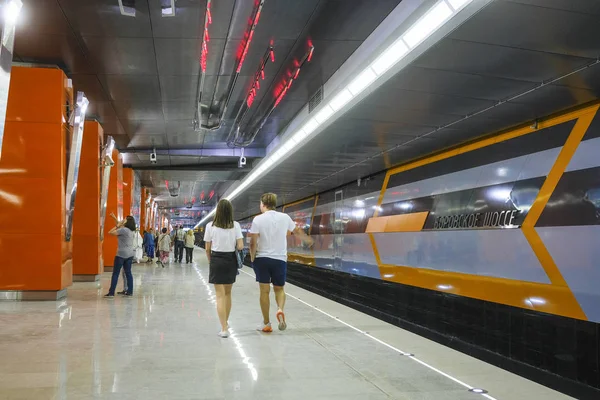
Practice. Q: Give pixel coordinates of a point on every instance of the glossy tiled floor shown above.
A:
(162, 344)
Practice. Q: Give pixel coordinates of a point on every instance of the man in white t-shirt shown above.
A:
(268, 251)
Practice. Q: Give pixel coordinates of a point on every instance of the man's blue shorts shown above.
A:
(270, 270)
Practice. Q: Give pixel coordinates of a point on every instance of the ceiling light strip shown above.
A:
(433, 19)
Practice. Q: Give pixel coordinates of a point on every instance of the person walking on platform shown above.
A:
(149, 245)
(179, 244)
(138, 245)
(268, 252)
(223, 237)
(124, 231)
(164, 246)
(189, 246)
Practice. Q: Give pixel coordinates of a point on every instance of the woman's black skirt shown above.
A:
(223, 268)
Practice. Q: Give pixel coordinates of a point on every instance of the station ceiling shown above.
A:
(512, 62)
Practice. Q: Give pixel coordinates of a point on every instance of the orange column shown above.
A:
(87, 246)
(114, 205)
(36, 262)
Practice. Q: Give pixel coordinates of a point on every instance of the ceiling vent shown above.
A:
(315, 100)
(127, 7)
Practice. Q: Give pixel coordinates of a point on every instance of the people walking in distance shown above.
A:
(149, 245)
(223, 237)
(138, 245)
(164, 247)
(268, 252)
(179, 244)
(189, 246)
(124, 231)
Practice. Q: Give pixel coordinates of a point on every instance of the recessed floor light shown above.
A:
(478, 390)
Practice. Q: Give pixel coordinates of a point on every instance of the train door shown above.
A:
(338, 230)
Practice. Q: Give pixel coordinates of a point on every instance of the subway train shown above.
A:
(485, 248)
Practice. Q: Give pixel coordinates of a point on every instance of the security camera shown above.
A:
(242, 162)
(153, 158)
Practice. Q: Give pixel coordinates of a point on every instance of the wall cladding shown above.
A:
(492, 246)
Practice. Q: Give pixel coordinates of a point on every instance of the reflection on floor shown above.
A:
(163, 344)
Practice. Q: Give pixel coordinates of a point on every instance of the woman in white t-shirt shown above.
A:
(223, 237)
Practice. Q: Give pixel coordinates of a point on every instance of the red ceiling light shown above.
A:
(257, 77)
(205, 37)
(211, 194)
(272, 55)
(250, 35)
(307, 57)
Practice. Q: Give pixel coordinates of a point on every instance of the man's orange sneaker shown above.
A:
(281, 320)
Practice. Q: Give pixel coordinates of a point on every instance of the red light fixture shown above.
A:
(205, 37)
(310, 54)
(307, 57)
(260, 74)
(250, 35)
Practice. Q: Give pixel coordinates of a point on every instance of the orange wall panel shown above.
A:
(32, 187)
(86, 221)
(114, 204)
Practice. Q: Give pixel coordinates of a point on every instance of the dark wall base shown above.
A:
(557, 352)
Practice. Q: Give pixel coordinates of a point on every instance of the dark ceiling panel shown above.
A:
(114, 128)
(344, 20)
(53, 49)
(178, 110)
(533, 28)
(42, 17)
(126, 88)
(180, 127)
(284, 19)
(121, 55)
(428, 102)
(181, 56)
(137, 110)
(588, 79)
(555, 98)
(147, 141)
(103, 18)
(135, 127)
(103, 110)
(91, 86)
(186, 140)
(497, 61)
(178, 87)
(580, 6)
(390, 113)
(184, 160)
(457, 84)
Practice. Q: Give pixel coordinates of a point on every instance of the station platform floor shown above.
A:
(162, 344)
